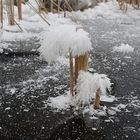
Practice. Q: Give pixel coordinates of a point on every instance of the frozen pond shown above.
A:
(26, 83)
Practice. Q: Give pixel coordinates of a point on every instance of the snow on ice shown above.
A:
(123, 48)
(86, 90)
(64, 36)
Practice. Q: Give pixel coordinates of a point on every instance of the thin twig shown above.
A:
(34, 9)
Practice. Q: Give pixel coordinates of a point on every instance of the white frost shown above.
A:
(62, 102)
(88, 84)
(124, 48)
(86, 90)
(62, 39)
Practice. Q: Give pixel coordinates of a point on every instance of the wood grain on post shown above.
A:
(19, 4)
(86, 61)
(81, 63)
(76, 68)
(11, 12)
(71, 74)
(52, 6)
(97, 99)
(58, 7)
(1, 12)
(39, 5)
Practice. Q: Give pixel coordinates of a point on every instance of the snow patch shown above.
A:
(62, 102)
(123, 48)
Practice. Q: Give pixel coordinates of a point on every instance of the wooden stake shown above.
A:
(58, 7)
(97, 99)
(19, 5)
(39, 3)
(7, 10)
(11, 12)
(1, 12)
(51, 6)
(81, 63)
(71, 74)
(77, 3)
(85, 68)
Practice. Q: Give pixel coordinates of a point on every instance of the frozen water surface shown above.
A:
(26, 83)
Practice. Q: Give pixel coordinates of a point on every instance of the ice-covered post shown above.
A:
(1, 12)
(19, 5)
(72, 40)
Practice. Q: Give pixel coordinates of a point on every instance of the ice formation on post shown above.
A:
(88, 84)
(62, 39)
(86, 88)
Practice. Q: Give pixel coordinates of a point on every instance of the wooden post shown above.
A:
(81, 63)
(19, 5)
(58, 8)
(77, 3)
(39, 5)
(97, 99)
(71, 74)
(11, 12)
(52, 6)
(1, 12)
